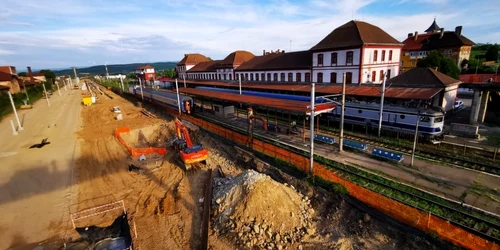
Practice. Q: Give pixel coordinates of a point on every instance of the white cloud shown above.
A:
(6, 52)
(118, 31)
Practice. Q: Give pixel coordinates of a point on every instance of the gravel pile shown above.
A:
(259, 212)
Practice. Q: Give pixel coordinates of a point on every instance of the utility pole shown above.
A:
(20, 127)
(178, 97)
(140, 86)
(121, 82)
(415, 139)
(381, 106)
(341, 136)
(311, 131)
(46, 94)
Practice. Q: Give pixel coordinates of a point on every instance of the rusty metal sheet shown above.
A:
(287, 105)
(352, 90)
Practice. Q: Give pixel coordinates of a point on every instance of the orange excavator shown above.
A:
(189, 154)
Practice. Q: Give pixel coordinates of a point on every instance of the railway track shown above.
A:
(434, 155)
(482, 223)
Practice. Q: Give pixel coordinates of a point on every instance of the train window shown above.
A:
(402, 116)
(438, 119)
(360, 111)
(425, 119)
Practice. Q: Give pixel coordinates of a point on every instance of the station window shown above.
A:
(268, 77)
(348, 77)
(334, 58)
(388, 74)
(251, 77)
(375, 55)
(320, 77)
(297, 77)
(263, 77)
(320, 59)
(282, 77)
(349, 57)
(374, 75)
(290, 77)
(246, 76)
(381, 75)
(383, 56)
(390, 55)
(307, 77)
(275, 76)
(333, 77)
(257, 77)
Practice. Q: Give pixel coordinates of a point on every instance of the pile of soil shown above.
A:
(260, 211)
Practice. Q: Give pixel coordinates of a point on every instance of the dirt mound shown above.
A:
(260, 211)
(156, 136)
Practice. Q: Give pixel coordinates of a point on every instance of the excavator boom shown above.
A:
(188, 152)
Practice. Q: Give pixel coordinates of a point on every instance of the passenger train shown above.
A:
(394, 118)
(167, 98)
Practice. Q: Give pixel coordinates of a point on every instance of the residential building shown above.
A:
(451, 43)
(361, 50)
(8, 69)
(40, 77)
(189, 61)
(145, 73)
(11, 81)
(277, 67)
(443, 87)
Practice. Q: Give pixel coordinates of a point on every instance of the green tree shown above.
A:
(492, 53)
(170, 73)
(131, 75)
(22, 74)
(49, 75)
(444, 64)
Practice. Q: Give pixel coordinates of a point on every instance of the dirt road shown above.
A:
(36, 183)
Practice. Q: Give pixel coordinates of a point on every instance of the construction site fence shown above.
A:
(409, 215)
(137, 152)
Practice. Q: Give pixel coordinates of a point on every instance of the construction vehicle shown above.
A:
(189, 154)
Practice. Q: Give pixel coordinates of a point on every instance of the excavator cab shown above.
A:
(189, 153)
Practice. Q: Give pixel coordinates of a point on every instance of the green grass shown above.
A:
(34, 93)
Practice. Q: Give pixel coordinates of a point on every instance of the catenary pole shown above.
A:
(311, 131)
(342, 109)
(178, 97)
(381, 106)
(20, 127)
(415, 139)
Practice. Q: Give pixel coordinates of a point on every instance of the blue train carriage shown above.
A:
(394, 118)
(170, 99)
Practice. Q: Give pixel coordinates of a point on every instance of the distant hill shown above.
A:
(115, 68)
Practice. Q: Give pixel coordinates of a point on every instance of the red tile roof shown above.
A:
(291, 60)
(6, 76)
(422, 77)
(208, 66)
(355, 34)
(4, 88)
(193, 59)
(235, 59)
(331, 89)
(145, 67)
(432, 41)
(294, 106)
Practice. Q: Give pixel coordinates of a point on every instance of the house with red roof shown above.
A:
(189, 61)
(145, 73)
(451, 43)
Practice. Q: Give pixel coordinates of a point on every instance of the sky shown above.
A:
(65, 33)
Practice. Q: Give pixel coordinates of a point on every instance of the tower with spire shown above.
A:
(433, 28)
